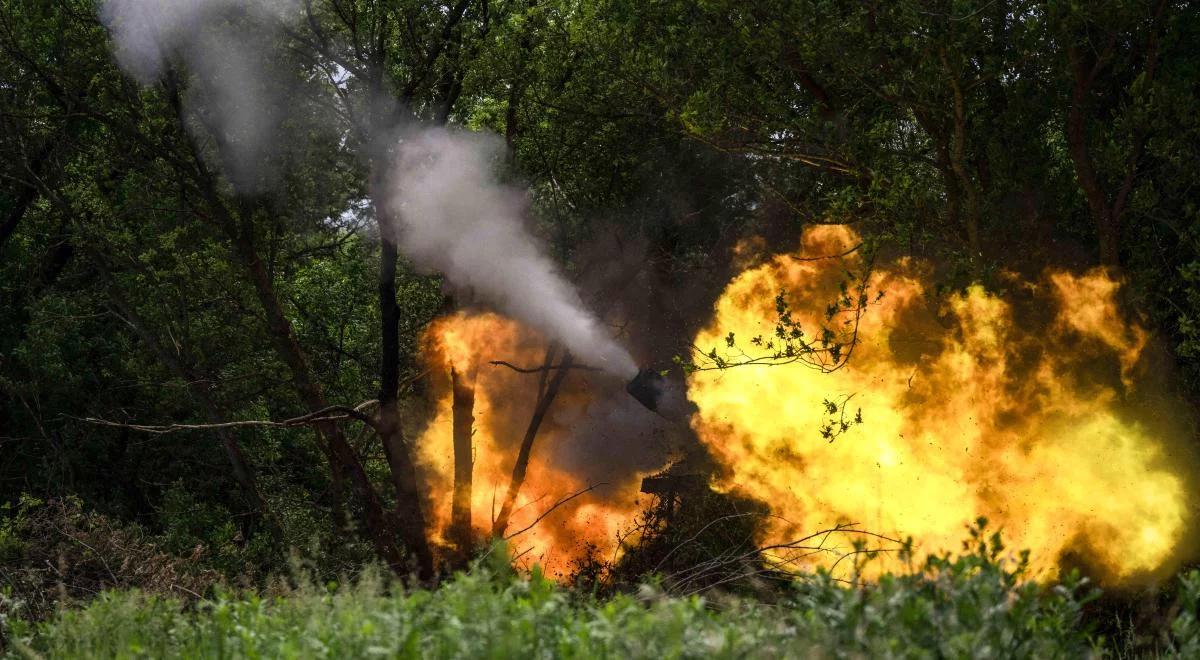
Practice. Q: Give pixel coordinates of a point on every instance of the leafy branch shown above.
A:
(828, 349)
(836, 422)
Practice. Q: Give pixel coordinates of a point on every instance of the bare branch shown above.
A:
(547, 391)
(553, 507)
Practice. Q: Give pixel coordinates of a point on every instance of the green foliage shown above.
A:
(1185, 629)
(14, 520)
(827, 350)
(979, 604)
(1189, 322)
(966, 607)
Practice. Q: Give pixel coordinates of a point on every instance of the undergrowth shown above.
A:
(976, 605)
(979, 604)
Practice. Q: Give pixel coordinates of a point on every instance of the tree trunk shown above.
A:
(1105, 216)
(337, 491)
(945, 169)
(1107, 226)
(25, 199)
(974, 242)
(36, 167)
(411, 520)
(516, 89)
(958, 162)
(379, 528)
(463, 386)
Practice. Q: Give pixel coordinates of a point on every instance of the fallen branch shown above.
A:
(736, 563)
(327, 414)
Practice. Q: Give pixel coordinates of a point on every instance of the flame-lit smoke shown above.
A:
(594, 434)
(1022, 409)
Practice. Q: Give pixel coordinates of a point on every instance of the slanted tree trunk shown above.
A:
(39, 170)
(548, 387)
(199, 386)
(24, 200)
(377, 525)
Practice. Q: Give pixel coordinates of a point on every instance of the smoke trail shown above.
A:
(234, 93)
(456, 218)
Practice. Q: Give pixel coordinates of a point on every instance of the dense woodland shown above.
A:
(156, 269)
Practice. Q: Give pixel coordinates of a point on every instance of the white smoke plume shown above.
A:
(456, 218)
(232, 94)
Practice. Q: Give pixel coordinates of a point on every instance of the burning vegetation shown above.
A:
(525, 485)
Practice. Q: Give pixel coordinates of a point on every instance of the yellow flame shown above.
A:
(967, 412)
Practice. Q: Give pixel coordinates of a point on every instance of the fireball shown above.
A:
(963, 406)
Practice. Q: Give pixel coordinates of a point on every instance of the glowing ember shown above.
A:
(967, 412)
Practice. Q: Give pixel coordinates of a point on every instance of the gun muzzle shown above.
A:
(647, 388)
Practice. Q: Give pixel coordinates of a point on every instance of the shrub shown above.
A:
(1185, 629)
(54, 553)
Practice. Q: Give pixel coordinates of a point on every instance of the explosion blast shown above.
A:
(969, 410)
(1026, 409)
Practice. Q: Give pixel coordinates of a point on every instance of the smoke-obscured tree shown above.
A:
(392, 65)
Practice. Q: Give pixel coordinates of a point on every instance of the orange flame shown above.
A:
(504, 402)
(969, 410)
